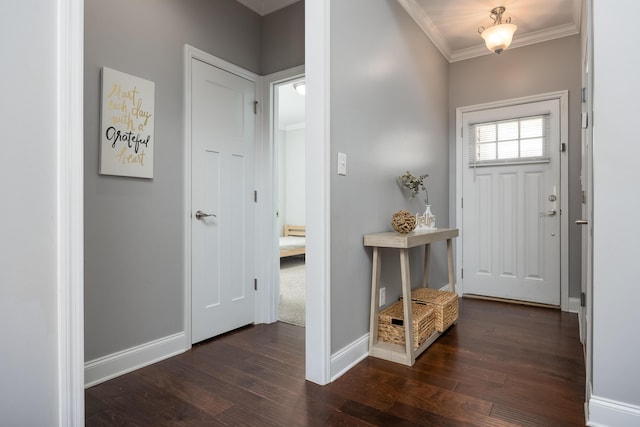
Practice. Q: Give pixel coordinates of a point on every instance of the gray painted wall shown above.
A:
(616, 176)
(28, 218)
(389, 114)
(134, 227)
(530, 70)
(282, 39)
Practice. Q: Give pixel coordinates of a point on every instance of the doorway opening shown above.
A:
(289, 161)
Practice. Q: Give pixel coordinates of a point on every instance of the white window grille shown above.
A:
(521, 140)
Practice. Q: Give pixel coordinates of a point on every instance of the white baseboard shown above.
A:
(605, 412)
(349, 356)
(586, 404)
(116, 364)
(574, 305)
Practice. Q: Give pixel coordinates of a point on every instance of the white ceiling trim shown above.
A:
(426, 24)
(265, 7)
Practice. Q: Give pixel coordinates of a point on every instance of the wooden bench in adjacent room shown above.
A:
(293, 242)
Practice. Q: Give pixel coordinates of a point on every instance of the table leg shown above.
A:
(425, 277)
(406, 302)
(452, 284)
(375, 295)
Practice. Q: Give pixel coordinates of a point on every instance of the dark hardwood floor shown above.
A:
(501, 365)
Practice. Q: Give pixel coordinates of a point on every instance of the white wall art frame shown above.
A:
(126, 132)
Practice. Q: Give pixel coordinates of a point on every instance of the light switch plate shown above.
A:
(342, 164)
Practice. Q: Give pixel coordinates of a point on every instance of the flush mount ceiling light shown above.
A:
(498, 36)
(300, 87)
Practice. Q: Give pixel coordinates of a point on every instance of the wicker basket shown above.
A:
(444, 303)
(391, 323)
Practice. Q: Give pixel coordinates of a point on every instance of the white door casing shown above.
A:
(222, 186)
(511, 228)
(269, 266)
(318, 190)
(70, 218)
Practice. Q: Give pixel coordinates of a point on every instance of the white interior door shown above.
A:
(511, 205)
(222, 129)
(586, 222)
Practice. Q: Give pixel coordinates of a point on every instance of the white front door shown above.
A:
(511, 202)
(222, 210)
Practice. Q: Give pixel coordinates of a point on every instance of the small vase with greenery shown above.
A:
(413, 184)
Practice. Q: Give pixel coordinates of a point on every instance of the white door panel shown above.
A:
(586, 220)
(222, 186)
(511, 225)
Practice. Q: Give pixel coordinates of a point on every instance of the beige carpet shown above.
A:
(292, 296)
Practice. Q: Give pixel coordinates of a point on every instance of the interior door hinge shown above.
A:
(563, 147)
(255, 284)
(462, 203)
(583, 299)
(255, 107)
(255, 196)
(462, 273)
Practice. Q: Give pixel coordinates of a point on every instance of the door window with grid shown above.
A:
(520, 140)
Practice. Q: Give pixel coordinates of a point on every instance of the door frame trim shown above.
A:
(70, 212)
(267, 298)
(318, 190)
(563, 97)
(191, 53)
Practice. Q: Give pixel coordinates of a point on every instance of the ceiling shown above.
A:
(452, 25)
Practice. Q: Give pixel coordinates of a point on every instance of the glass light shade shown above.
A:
(498, 37)
(300, 87)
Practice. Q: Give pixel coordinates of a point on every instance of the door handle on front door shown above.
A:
(581, 222)
(200, 215)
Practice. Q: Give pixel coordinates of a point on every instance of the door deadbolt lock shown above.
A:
(553, 198)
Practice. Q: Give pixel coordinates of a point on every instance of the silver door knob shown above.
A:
(552, 212)
(581, 222)
(200, 215)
